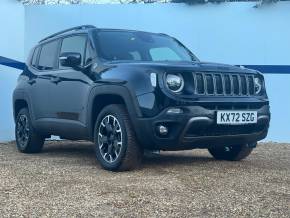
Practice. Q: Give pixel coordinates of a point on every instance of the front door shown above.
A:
(71, 87)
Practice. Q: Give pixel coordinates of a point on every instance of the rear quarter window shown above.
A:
(35, 57)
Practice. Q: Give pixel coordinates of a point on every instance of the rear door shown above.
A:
(44, 64)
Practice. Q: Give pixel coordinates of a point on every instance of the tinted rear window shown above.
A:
(34, 57)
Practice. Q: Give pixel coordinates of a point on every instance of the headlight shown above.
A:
(258, 85)
(175, 82)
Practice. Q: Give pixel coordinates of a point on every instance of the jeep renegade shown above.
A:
(127, 91)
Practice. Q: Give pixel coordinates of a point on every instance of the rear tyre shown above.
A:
(115, 141)
(27, 140)
(231, 153)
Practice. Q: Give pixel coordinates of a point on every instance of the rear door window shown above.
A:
(48, 56)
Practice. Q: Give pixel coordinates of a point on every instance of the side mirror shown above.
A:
(70, 59)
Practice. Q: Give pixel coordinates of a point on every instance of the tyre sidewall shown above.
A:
(25, 112)
(237, 153)
(109, 110)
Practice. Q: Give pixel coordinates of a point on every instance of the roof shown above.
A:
(85, 29)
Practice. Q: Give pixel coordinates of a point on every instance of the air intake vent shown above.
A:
(209, 84)
(243, 84)
(236, 86)
(199, 83)
(219, 84)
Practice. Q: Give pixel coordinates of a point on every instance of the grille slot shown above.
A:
(226, 84)
(236, 86)
(199, 84)
(209, 84)
(219, 84)
(243, 85)
(251, 85)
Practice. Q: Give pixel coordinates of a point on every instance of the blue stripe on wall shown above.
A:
(272, 69)
(12, 63)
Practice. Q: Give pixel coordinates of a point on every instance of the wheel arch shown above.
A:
(18, 105)
(104, 95)
(20, 100)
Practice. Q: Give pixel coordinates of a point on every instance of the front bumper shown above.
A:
(196, 128)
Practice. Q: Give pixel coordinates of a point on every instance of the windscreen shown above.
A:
(140, 46)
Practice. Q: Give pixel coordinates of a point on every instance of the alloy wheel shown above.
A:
(110, 138)
(22, 130)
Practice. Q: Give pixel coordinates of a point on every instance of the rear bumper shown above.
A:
(196, 128)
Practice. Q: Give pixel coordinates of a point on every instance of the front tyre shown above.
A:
(231, 153)
(27, 139)
(115, 141)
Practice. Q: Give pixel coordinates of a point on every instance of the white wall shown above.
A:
(234, 33)
(11, 46)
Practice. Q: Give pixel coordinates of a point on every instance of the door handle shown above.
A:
(55, 79)
(31, 81)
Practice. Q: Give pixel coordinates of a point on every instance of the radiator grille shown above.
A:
(230, 84)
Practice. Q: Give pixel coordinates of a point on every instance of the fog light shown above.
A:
(163, 130)
(174, 111)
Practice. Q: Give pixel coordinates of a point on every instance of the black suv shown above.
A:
(131, 90)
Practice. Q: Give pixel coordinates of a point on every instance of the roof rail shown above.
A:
(68, 30)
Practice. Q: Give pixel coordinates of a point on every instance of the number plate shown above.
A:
(236, 117)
